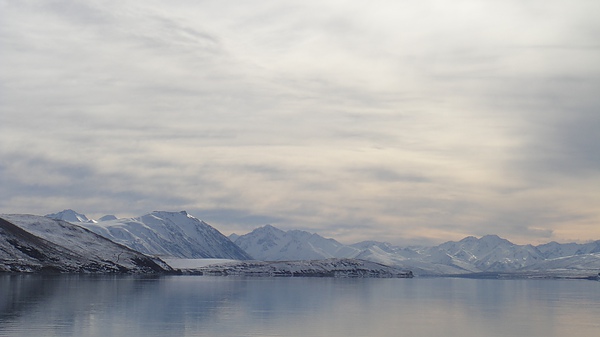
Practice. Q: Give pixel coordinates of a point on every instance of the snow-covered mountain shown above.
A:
(70, 215)
(107, 218)
(180, 235)
(268, 243)
(555, 250)
(30, 243)
(410, 258)
(582, 262)
(488, 254)
(169, 234)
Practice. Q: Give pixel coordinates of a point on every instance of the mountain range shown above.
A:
(488, 254)
(161, 234)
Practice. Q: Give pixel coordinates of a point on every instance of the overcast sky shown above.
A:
(412, 122)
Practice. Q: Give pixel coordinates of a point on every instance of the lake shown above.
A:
(80, 305)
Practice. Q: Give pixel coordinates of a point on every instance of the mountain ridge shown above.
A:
(489, 253)
(30, 243)
(181, 235)
(169, 234)
(268, 243)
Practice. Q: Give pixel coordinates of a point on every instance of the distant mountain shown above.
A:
(555, 250)
(410, 258)
(70, 215)
(107, 218)
(268, 243)
(490, 253)
(169, 234)
(30, 243)
(582, 262)
(487, 254)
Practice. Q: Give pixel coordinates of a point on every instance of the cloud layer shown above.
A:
(404, 121)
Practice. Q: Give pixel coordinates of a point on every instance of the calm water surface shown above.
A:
(36, 305)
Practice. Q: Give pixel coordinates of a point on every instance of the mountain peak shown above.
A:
(108, 217)
(163, 214)
(469, 239)
(494, 239)
(268, 229)
(269, 243)
(69, 215)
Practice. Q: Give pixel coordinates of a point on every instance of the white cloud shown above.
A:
(411, 120)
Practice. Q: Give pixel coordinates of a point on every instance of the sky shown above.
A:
(406, 121)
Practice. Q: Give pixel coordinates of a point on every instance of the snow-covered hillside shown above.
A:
(31, 243)
(553, 249)
(268, 243)
(411, 258)
(169, 234)
(313, 268)
(489, 253)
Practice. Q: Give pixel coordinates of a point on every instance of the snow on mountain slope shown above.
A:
(268, 243)
(169, 234)
(183, 236)
(385, 247)
(32, 243)
(553, 249)
(407, 258)
(70, 215)
(489, 253)
(322, 268)
(414, 263)
(585, 262)
(471, 248)
(107, 218)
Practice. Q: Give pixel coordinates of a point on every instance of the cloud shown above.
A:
(399, 121)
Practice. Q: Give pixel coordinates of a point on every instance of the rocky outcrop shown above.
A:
(346, 268)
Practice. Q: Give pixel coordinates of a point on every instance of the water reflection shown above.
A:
(79, 305)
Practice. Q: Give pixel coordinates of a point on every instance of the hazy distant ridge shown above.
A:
(489, 253)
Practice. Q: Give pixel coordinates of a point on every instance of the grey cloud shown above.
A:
(558, 128)
(37, 178)
(80, 13)
(243, 221)
(184, 33)
(573, 146)
(374, 121)
(390, 175)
